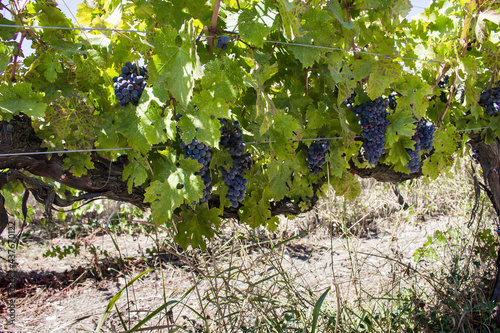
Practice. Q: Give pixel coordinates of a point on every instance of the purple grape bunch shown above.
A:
(316, 155)
(349, 102)
(393, 100)
(490, 100)
(222, 42)
(232, 139)
(423, 138)
(373, 122)
(200, 152)
(475, 155)
(130, 84)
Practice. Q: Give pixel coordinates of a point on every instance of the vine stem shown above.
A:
(448, 104)
(213, 24)
(14, 64)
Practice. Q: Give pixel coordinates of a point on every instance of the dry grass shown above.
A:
(358, 254)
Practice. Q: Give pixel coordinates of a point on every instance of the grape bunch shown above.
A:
(222, 42)
(348, 103)
(234, 179)
(130, 84)
(373, 121)
(490, 99)
(316, 155)
(444, 82)
(423, 138)
(427, 129)
(201, 152)
(475, 155)
(232, 139)
(392, 100)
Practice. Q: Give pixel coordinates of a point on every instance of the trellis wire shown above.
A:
(69, 28)
(267, 41)
(354, 51)
(129, 148)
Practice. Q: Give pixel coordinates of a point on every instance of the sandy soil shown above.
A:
(71, 294)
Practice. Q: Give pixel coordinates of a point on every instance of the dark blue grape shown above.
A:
(475, 155)
(130, 83)
(222, 42)
(373, 122)
(423, 139)
(316, 155)
(490, 100)
(232, 140)
(192, 151)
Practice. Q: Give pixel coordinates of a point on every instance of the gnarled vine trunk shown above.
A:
(489, 159)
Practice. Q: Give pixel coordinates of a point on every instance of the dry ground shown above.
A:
(362, 250)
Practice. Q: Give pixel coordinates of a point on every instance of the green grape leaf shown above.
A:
(21, 98)
(202, 121)
(256, 210)
(445, 145)
(174, 64)
(180, 186)
(197, 226)
(224, 77)
(72, 121)
(136, 171)
(300, 188)
(347, 186)
(318, 117)
(306, 55)
(78, 164)
(129, 126)
(402, 124)
(414, 92)
(335, 159)
(397, 153)
(384, 72)
(50, 66)
(154, 124)
(254, 24)
(280, 173)
(283, 129)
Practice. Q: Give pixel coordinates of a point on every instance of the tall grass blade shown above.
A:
(151, 315)
(116, 298)
(317, 308)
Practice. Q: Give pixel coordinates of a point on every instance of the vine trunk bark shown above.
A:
(489, 159)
